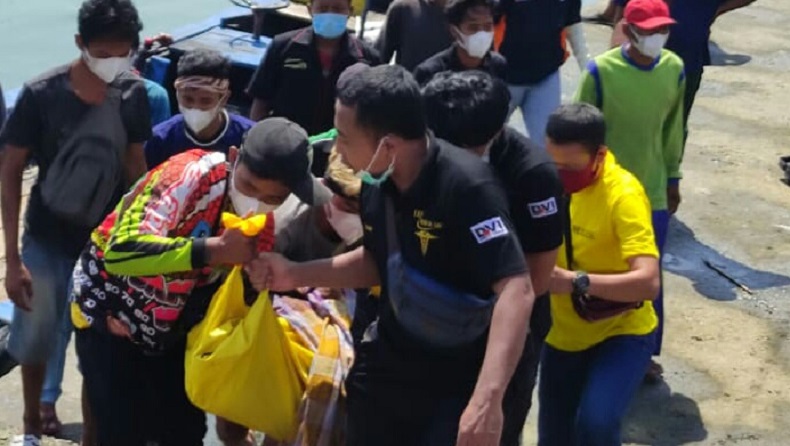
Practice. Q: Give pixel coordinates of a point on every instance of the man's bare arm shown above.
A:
(134, 165)
(541, 265)
(509, 328)
(14, 161)
(355, 269)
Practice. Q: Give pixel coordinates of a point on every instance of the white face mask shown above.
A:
(348, 226)
(247, 206)
(478, 44)
(197, 119)
(651, 45)
(107, 69)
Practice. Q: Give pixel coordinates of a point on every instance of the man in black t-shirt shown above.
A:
(49, 108)
(444, 212)
(535, 49)
(470, 110)
(413, 31)
(472, 25)
(297, 76)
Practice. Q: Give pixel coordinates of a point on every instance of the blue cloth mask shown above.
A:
(330, 25)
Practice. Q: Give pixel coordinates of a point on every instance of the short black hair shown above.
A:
(204, 62)
(577, 123)
(109, 19)
(387, 100)
(466, 108)
(456, 10)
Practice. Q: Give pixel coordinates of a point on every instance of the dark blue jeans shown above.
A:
(661, 229)
(584, 395)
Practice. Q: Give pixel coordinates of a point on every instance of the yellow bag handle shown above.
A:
(233, 301)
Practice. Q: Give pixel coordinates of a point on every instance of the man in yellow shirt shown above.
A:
(602, 338)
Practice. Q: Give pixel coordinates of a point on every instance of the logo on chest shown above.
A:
(425, 230)
(295, 63)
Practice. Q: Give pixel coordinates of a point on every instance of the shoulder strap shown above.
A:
(393, 246)
(568, 234)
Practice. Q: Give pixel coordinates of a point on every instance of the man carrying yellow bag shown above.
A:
(139, 281)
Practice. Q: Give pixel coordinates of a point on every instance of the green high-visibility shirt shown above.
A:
(643, 109)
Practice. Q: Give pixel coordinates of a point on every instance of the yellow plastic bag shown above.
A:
(242, 366)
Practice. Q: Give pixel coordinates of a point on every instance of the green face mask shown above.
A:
(368, 177)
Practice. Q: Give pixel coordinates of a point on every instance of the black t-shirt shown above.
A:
(447, 60)
(533, 188)
(45, 114)
(535, 194)
(291, 80)
(533, 43)
(452, 224)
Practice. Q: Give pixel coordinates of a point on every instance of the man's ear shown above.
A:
(627, 31)
(454, 31)
(601, 155)
(224, 101)
(233, 154)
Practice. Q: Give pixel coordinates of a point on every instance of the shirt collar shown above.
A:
(427, 172)
(455, 61)
(211, 143)
(632, 62)
(307, 37)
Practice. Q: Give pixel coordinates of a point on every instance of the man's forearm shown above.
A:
(11, 198)
(355, 269)
(541, 265)
(134, 164)
(509, 328)
(633, 286)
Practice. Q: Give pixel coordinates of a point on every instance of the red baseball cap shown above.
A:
(648, 14)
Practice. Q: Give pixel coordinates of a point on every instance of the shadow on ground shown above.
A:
(658, 417)
(721, 58)
(686, 256)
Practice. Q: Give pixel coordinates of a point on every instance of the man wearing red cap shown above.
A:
(640, 89)
(689, 38)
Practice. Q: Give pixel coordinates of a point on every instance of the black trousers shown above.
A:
(137, 398)
(518, 397)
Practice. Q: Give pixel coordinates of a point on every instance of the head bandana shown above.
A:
(206, 83)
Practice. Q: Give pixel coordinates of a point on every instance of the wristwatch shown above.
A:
(581, 283)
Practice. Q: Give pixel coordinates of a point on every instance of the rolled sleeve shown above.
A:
(633, 226)
(25, 125)
(536, 212)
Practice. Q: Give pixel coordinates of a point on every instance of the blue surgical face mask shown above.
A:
(368, 177)
(330, 25)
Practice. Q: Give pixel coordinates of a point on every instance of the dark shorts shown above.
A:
(137, 398)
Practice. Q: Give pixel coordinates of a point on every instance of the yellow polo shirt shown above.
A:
(611, 223)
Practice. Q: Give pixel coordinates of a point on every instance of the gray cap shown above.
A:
(279, 149)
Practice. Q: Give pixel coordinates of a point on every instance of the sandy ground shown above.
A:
(726, 353)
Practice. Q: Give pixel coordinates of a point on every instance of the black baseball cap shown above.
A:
(278, 149)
